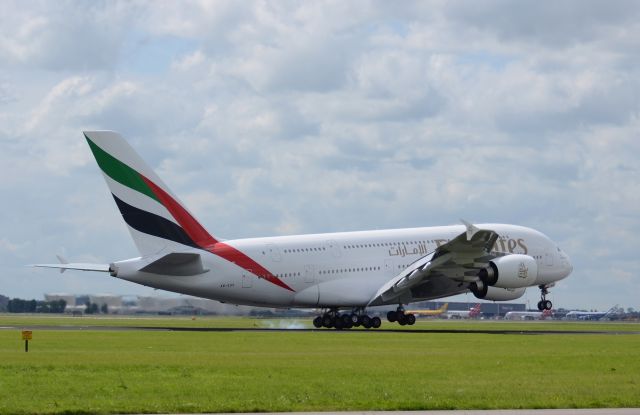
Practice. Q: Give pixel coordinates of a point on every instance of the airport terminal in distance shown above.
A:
(109, 304)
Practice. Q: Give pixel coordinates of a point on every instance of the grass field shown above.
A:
(89, 371)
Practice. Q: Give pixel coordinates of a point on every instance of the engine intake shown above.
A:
(510, 271)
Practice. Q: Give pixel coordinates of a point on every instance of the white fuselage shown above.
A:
(338, 269)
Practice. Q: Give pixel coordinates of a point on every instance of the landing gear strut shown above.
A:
(400, 316)
(544, 304)
(333, 319)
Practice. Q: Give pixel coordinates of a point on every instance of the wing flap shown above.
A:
(459, 259)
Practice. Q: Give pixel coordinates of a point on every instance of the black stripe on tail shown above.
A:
(152, 224)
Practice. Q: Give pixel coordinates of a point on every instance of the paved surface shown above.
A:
(265, 329)
(604, 411)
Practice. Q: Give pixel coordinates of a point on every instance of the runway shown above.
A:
(599, 411)
(305, 330)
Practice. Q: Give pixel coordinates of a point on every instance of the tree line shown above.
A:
(18, 305)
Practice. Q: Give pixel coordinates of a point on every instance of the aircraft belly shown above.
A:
(347, 292)
(307, 298)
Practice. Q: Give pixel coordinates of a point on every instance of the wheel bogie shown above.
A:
(392, 316)
(317, 322)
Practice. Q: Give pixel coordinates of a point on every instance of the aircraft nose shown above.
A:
(567, 264)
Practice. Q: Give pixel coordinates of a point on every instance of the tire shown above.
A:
(376, 322)
(548, 305)
(540, 305)
(327, 321)
(411, 319)
(392, 316)
(366, 322)
(346, 321)
(402, 320)
(317, 322)
(339, 324)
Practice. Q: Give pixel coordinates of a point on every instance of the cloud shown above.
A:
(275, 118)
(65, 35)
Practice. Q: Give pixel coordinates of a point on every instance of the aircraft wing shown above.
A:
(458, 260)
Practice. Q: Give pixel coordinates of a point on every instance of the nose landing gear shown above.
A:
(544, 304)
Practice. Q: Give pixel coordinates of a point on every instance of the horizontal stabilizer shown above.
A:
(182, 264)
(80, 266)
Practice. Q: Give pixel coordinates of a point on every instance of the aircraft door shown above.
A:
(334, 248)
(247, 280)
(388, 268)
(309, 274)
(274, 252)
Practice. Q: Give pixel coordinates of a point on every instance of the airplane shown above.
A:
(590, 315)
(343, 273)
(471, 313)
(528, 315)
(429, 313)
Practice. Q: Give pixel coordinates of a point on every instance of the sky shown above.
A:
(279, 118)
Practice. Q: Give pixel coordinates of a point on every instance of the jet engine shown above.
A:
(510, 271)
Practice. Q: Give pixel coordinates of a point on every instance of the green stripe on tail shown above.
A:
(119, 171)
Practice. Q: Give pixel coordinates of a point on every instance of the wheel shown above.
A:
(548, 305)
(327, 321)
(540, 305)
(402, 319)
(346, 321)
(317, 322)
(338, 324)
(366, 322)
(354, 319)
(392, 316)
(411, 319)
(376, 322)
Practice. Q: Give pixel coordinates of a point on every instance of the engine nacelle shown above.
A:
(510, 271)
(503, 294)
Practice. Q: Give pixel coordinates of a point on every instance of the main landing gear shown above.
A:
(357, 318)
(544, 304)
(400, 316)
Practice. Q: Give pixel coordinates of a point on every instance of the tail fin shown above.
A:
(155, 217)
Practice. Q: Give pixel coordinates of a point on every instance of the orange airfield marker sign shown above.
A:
(26, 336)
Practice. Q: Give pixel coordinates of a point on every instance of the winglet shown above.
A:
(62, 261)
(471, 229)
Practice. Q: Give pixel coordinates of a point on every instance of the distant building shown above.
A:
(118, 304)
(73, 305)
(487, 309)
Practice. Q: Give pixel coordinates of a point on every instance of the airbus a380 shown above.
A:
(343, 274)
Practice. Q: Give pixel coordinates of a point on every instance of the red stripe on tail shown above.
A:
(196, 232)
(204, 240)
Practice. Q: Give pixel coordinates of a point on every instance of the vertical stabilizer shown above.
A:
(155, 217)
